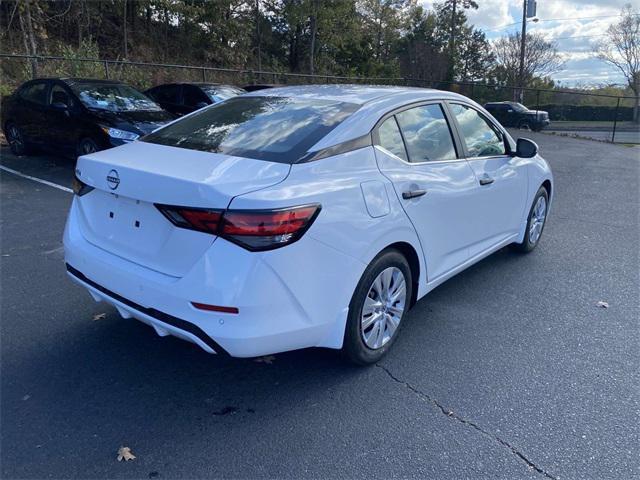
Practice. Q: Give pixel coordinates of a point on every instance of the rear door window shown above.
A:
(36, 93)
(166, 93)
(278, 129)
(427, 134)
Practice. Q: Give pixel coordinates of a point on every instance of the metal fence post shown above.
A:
(204, 74)
(615, 122)
(106, 69)
(537, 100)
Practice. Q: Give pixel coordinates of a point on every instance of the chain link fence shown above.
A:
(572, 113)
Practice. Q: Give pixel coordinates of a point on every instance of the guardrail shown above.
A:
(593, 115)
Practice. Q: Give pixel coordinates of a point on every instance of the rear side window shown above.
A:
(278, 129)
(391, 139)
(192, 96)
(166, 94)
(36, 93)
(426, 133)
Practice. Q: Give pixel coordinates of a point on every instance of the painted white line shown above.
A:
(35, 179)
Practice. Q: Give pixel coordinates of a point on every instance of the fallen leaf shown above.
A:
(602, 304)
(266, 359)
(124, 453)
(26, 397)
(99, 316)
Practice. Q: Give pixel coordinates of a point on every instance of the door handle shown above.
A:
(413, 194)
(486, 180)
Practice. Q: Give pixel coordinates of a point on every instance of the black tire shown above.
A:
(528, 244)
(355, 348)
(86, 146)
(15, 138)
(524, 125)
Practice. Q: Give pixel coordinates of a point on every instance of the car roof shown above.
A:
(375, 101)
(358, 94)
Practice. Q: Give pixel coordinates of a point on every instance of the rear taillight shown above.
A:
(254, 230)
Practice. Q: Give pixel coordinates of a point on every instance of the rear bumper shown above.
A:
(289, 298)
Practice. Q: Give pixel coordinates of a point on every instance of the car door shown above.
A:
(416, 151)
(63, 126)
(501, 188)
(193, 98)
(30, 114)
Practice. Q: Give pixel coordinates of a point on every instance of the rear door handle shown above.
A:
(413, 194)
(486, 180)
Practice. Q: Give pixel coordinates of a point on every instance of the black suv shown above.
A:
(514, 114)
(183, 98)
(77, 116)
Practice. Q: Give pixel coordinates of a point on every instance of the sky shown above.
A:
(559, 19)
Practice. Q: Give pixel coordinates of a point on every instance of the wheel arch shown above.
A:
(409, 252)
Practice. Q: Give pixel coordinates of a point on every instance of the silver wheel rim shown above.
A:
(15, 139)
(383, 308)
(538, 216)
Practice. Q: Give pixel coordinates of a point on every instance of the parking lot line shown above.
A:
(35, 179)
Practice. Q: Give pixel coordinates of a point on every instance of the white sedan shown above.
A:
(311, 216)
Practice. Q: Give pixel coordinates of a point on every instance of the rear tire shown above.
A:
(378, 306)
(524, 125)
(15, 138)
(86, 146)
(536, 221)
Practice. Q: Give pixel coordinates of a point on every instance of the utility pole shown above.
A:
(452, 46)
(523, 37)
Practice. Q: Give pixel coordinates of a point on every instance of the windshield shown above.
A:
(113, 97)
(218, 94)
(278, 129)
(518, 107)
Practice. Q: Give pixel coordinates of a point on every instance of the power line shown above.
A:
(555, 20)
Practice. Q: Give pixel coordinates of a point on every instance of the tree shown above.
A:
(452, 19)
(621, 48)
(541, 58)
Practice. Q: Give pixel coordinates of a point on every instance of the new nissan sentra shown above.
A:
(311, 216)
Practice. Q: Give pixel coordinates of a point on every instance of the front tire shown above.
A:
(535, 222)
(378, 306)
(86, 146)
(15, 138)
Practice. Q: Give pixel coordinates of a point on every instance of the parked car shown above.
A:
(302, 216)
(516, 115)
(183, 98)
(77, 116)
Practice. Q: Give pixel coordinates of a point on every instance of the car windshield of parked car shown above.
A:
(518, 107)
(218, 94)
(113, 97)
(278, 129)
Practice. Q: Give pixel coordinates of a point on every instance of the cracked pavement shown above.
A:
(508, 370)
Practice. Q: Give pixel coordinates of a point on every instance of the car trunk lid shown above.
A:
(120, 216)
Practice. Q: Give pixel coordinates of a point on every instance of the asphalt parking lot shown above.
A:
(508, 370)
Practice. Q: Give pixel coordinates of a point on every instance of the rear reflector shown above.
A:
(254, 230)
(215, 308)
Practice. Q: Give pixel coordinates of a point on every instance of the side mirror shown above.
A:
(526, 148)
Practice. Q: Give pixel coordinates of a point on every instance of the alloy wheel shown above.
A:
(538, 217)
(383, 308)
(14, 137)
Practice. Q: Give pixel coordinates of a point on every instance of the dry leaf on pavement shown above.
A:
(124, 453)
(602, 304)
(99, 316)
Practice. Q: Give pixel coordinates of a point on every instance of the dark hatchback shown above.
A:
(77, 116)
(183, 98)
(516, 115)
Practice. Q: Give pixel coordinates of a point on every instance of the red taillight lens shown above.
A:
(267, 229)
(252, 229)
(201, 219)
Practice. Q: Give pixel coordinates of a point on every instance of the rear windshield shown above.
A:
(113, 97)
(278, 129)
